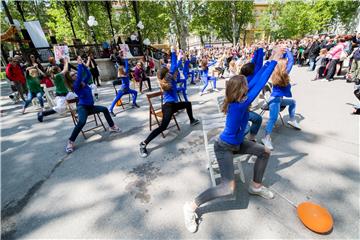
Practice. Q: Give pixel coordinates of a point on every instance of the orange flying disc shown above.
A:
(315, 217)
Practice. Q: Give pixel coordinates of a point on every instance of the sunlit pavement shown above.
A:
(105, 190)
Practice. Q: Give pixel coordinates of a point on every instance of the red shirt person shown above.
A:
(15, 74)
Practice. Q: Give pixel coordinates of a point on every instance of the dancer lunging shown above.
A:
(78, 82)
(171, 103)
(123, 75)
(238, 97)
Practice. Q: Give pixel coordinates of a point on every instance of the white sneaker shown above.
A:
(201, 93)
(267, 143)
(115, 129)
(294, 124)
(216, 90)
(261, 191)
(190, 218)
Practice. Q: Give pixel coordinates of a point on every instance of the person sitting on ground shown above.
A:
(168, 85)
(140, 76)
(78, 82)
(123, 76)
(35, 90)
(238, 98)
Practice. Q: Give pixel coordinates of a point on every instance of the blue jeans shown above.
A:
(256, 121)
(120, 94)
(206, 82)
(274, 108)
(31, 95)
(83, 113)
(312, 64)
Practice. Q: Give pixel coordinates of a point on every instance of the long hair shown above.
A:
(68, 81)
(280, 77)
(236, 90)
(164, 79)
(121, 71)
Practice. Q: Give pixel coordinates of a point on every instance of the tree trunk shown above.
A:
(233, 22)
(202, 40)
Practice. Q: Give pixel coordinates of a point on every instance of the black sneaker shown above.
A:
(135, 105)
(143, 151)
(194, 122)
(40, 116)
(112, 114)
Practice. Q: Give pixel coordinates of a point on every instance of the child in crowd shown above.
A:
(62, 93)
(204, 75)
(232, 68)
(78, 82)
(125, 87)
(35, 90)
(238, 97)
(321, 62)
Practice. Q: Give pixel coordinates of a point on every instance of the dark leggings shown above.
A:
(168, 110)
(224, 154)
(330, 72)
(96, 79)
(83, 113)
(148, 81)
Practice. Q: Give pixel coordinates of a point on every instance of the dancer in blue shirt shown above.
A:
(171, 104)
(78, 82)
(238, 97)
(123, 75)
(281, 96)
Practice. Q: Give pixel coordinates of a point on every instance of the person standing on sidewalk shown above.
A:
(15, 74)
(314, 53)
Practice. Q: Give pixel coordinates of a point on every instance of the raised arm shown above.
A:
(78, 80)
(87, 76)
(66, 67)
(88, 62)
(186, 67)
(126, 66)
(258, 60)
(173, 61)
(255, 78)
(290, 62)
(260, 80)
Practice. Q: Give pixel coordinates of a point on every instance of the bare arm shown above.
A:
(66, 67)
(88, 62)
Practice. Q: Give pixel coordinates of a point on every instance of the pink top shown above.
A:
(335, 52)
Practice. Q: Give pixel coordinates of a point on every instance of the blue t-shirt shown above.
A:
(237, 115)
(81, 88)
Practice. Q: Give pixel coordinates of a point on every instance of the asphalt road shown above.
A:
(105, 190)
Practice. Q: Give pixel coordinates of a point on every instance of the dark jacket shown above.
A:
(314, 49)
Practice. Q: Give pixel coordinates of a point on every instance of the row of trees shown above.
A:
(160, 18)
(226, 20)
(296, 19)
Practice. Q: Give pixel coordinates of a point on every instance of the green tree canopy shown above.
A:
(296, 19)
